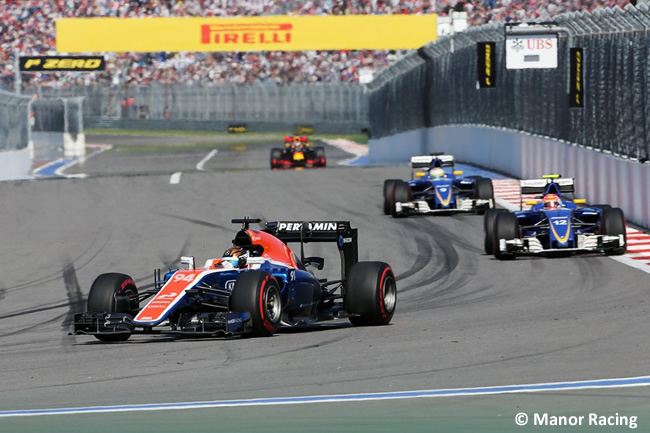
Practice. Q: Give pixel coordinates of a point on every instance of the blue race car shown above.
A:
(257, 286)
(554, 224)
(437, 190)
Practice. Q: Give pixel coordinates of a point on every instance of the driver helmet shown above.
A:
(436, 173)
(551, 201)
(233, 254)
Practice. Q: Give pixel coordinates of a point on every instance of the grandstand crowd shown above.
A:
(27, 27)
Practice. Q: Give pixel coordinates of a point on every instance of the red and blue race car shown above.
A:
(298, 152)
(258, 285)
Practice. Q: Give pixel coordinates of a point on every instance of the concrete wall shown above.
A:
(600, 177)
(16, 164)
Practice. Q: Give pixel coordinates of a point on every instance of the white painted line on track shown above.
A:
(176, 178)
(397, 395)
(200, 165)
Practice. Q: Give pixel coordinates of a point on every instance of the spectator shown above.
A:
(27, 26)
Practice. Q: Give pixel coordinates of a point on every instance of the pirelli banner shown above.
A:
(577, 86)
(61, 63)
(486, 61)
(270, 33)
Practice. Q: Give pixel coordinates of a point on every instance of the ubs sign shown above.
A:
(531, 51)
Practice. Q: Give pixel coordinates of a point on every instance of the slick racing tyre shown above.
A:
(601, 206)
(612, 223)
(113, 293)
(371, 294)
(483, 190)
(506, 226)
(276, 156)
(258, 293)
(401, 193)
(488, 228)
(388, 191)
(320, 156)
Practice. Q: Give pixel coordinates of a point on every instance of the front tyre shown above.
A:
(371, 294)
(506, 226)
(401, 193)
(258, 293)
(388, 191)
(276, 156)
(488, 228)
(113, 293)
(483, 190)
(612, 223)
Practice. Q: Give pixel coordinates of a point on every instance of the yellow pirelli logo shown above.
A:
(270, 33)
(61, 63)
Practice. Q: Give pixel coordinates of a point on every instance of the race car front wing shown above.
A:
(210, 323)
(462, 205)
(585, 243)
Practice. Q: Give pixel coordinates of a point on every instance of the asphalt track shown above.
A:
(463, 319)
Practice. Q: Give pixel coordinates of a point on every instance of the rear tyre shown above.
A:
(258, 293)
(113, 293)
(371, 294)
(401, 193)
(388, 191)
(276, 155)
(488, 228)
(506, 226)
(612, 223)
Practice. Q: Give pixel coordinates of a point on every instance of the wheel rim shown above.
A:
(273, 304)
(390, 294)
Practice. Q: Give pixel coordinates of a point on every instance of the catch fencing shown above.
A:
(14, 121)
(335, 107)
(437, 85)
(58, 115)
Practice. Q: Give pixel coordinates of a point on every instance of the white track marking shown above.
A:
(394, 395)
(176, 178)
(201, 163)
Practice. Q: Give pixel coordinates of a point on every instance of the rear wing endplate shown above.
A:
(424, 161)
(340, 232)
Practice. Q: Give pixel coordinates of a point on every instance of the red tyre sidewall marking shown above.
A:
(382, 305)
(126, 283)
(267, 324)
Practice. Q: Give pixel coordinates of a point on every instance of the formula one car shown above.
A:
(554, 224)
(437, 190)
(298, 152)
(257, 286)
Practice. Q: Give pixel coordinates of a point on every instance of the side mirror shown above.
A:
(318, 262)
(580, 201)
(458, 172)
(420, 174)
(531, 202)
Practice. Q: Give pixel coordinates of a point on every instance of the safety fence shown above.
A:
(58, 115)
(323, 106)
(437, 85)
(14, 121)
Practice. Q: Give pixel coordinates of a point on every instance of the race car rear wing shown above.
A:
(424, 161)
(546, 186)
(341, 232)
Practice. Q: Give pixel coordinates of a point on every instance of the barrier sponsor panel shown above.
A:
(61, 63)
(270, 33)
